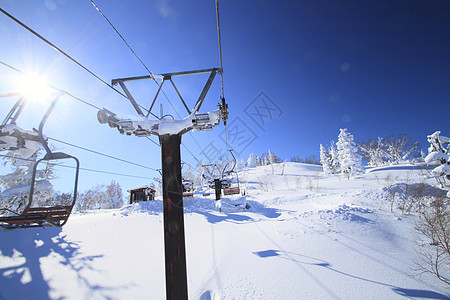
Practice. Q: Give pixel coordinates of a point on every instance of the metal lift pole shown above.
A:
(174, 241)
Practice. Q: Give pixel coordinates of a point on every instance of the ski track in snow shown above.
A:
(302, 236)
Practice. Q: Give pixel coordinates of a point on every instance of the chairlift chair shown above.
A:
(44, 216)
(232, 187)
(230, 179)
(188, 188)
(15, 139)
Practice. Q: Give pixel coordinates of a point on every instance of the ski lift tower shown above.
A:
(170, 132)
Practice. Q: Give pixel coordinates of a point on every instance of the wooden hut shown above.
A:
(143, 193)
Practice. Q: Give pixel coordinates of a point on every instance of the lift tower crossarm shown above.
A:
(130, 97)
(172, 74)
(168, 76)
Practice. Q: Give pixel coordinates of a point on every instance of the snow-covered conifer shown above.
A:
(251, 161)
(325, 160)
(334, 159)
(349, 159)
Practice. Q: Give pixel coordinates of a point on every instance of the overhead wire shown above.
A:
(221, 72)
(83, 169)
(123, 39)
(135, 54)
(90, 72)
(60, 51)
(220, 47)
(97, 77)
(109, 173)
(53, 87)
(190, 152)
(151, 75)
(85, 102)
(102, 154)
(57, 89)
(65, 54)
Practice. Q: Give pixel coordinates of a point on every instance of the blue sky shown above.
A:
(378, 68)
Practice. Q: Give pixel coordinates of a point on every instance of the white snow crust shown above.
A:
(304, 236)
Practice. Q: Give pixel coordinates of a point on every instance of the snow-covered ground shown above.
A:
(304, 237)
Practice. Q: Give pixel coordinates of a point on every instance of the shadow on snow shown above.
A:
(233, 209)
(22, 263)
(301, 259)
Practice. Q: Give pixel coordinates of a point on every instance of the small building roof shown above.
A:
(144, 187)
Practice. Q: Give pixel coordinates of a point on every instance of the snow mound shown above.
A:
(201, 205)
(153, 207)
(348, 213)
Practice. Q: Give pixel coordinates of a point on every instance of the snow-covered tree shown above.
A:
(335, 166)
(17, 184)
(158, 188)
(349, 159)
(399, 148)
(198, 178)
(113, 196)
(90, 199)
(269, 158)
(101, 197)
(325, 160)
(240, 165)
(189, 175)
(251, 161)
(374, 152)
(273, 158)
(439, 152)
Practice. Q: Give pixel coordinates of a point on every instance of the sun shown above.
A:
(34, 87)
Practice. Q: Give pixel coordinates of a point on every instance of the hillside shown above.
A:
(304, 236)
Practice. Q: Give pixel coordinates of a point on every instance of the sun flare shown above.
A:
(34, 87)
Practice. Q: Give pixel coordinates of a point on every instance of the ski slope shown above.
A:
(305, 236)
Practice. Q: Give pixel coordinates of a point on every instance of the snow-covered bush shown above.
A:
(434, 225)
(310, 159)
(434, 221)
(439, 154)
(349, 159)
(17, 184)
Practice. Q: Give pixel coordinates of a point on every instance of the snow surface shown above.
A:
(305, 236)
